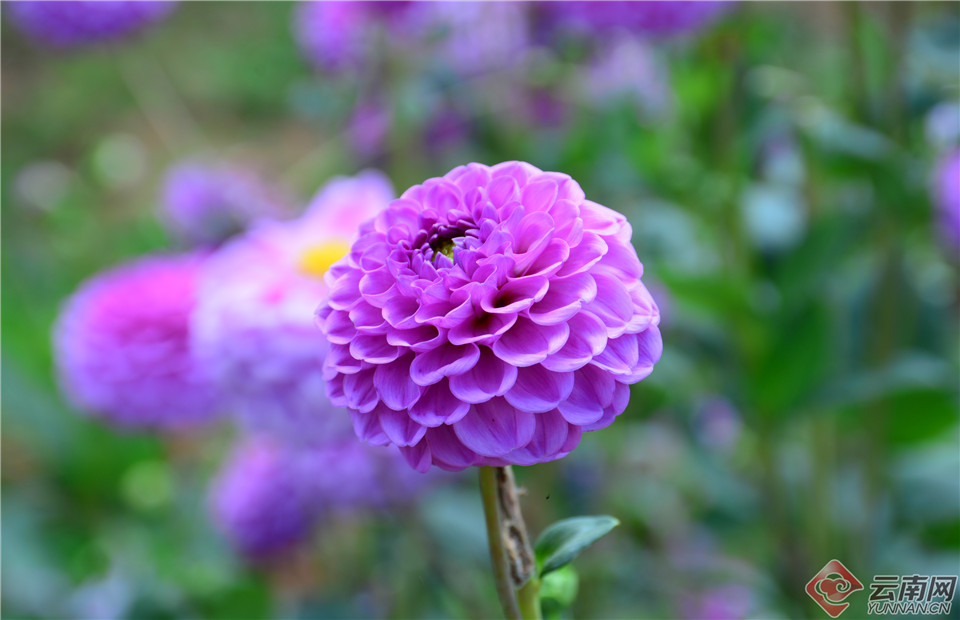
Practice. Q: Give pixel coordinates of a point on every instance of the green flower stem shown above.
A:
(514, 566)
(529, 599)
(498, 554)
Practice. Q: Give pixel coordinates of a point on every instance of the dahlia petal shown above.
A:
(620, 355)
(360, 392)
(592, 390)
(334, 390)
(447, 449)
(490, 377)
(345, 290)
(538, 390)
(564, 299)
(530, 238)
(339, 358)
(437, 405)
(516, 295)
(549, 436)
(339, 328)
(600, 219)
(550, 260)
(375, 283)
(650, 348)
(570, 190)
(400, 311)
(528, 343)
(373, 349)
(502, 191)
(574, 433)
(422, 337)
(400, 427)
(367, 427)
(569, 225)
(518, 170)
(584, 255)
(418, 456)
(397, 390)
(494, 428)
(621, 260)
(464, 310)
(620, 398)
(612, 305)
(540, 195)
(446, 360)
(481, 329)
(645, 310)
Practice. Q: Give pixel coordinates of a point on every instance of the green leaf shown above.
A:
(559, 588)
(564, 540)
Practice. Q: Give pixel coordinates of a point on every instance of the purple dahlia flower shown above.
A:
(947, 196)
(663, 18)
(122, 346)
(204, 203)
(253, 325)
(78, 22)
(340, 36)
(269, 496)
(488, 317)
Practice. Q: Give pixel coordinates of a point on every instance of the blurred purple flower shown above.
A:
(947, 197)
(122, 346)
(488, 317)
(471, 37)
(663, 18)
(446, 128)
(269, 496)
(727, 602)
(628, 68)
(718, 423)
(253, 327)
(208, 203)
(342, 36)
(545, 108)
(260, 499)
(369, 129)
(80, 22)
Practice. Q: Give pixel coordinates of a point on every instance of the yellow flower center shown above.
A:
(317, 259)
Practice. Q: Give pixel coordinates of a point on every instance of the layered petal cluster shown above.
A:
(488, 317)
(73, 23)
(122, 346)
(658, 18)
(207, 203)
(270, 496)
(947, 198)
(253, 325)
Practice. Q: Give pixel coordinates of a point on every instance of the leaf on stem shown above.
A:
(563, 541)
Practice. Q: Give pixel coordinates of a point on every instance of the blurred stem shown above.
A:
(529, 599)
(159, 101)
(498, 555)
(514, 567)
(858, 61)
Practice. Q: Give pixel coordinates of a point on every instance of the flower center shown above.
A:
(443, 246)
(317, 259)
